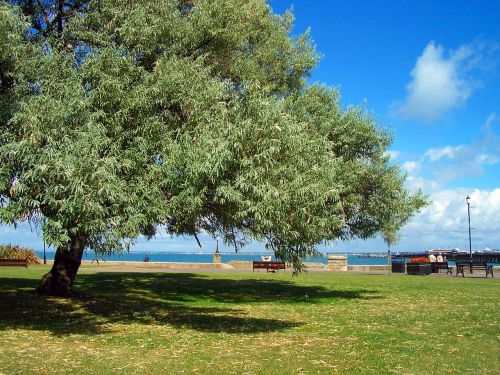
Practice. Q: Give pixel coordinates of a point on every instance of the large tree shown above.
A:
(121, 118)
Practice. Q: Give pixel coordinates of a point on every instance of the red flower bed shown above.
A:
(419, 260)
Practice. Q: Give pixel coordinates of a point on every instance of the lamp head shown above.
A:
(467, 199)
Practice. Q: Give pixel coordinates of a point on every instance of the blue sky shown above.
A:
(430, 71)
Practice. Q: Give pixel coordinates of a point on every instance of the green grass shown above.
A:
(250, 323)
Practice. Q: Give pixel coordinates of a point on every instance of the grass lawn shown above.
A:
(250, 323)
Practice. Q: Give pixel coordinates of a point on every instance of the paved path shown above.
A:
(149, 269)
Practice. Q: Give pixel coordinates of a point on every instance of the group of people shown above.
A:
(438, 258)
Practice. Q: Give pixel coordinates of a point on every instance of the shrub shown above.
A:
(18, 252)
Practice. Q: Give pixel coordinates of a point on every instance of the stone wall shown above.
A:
(111, 263)
(337, 262)
(241, 264)
(369, 268)
(216, 258)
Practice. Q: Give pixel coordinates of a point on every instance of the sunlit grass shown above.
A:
(255, 323)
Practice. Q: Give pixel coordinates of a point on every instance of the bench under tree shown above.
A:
(269, 266)
(14, 262)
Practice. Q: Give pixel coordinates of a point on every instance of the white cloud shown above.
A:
(393, 154)
(440, 82)
(411, 167)
(451, 163)
(489, 121)
(444, 222)
(415, 183)
(487, 159)
(447, 151)
(469, 162)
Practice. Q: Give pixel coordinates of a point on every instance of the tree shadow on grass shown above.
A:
(187, 287)
(180, 300)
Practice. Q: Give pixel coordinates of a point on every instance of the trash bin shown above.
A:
(398, 265)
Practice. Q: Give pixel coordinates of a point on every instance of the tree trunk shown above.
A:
(60, 10)
(67, 261)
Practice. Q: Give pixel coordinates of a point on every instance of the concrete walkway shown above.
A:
(173, 267)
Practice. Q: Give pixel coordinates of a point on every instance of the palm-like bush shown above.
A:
(18, 252)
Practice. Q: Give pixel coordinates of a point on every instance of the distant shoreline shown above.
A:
(205, 258)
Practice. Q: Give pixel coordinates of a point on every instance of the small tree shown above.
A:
(120, 118)
(390, 237)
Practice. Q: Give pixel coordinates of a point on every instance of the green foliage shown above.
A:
(390, 237)
(18, 252)
(187, 116)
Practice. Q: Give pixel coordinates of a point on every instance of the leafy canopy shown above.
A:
(119, 118)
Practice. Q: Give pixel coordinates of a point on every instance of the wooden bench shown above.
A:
(483, 266)
(14, 262)
(273, 266)
(437, 266)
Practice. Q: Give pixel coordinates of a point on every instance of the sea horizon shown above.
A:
(206, 257)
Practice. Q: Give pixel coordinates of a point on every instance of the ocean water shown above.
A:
(207, 257)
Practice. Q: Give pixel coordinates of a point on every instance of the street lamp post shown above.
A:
(470, 241)
(216, 256)
(468, 215)
(44, 255)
